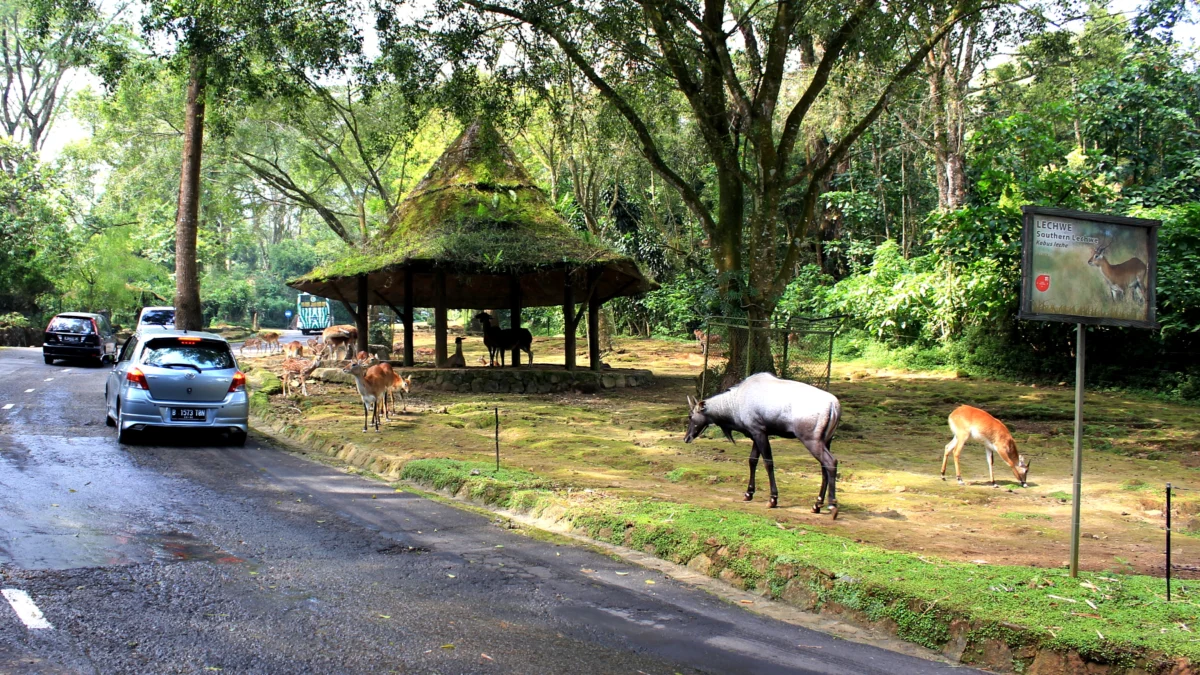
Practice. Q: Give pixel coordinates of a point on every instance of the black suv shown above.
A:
(76, 335)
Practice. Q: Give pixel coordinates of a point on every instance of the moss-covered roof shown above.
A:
(476, 213)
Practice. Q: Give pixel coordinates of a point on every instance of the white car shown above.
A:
(158, 317)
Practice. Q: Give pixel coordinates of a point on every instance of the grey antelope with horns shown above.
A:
(762, 406)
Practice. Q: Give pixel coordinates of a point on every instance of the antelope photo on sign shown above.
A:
(1088, 268)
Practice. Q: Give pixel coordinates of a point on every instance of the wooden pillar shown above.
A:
(514, 322)
(408, 317)
(439, 318)
(593, 330)
(568, 322)
(362, 315)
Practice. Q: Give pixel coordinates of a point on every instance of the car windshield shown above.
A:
(159, 317)
(188, 353)
(70, 324)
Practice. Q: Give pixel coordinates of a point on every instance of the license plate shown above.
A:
(186, 414)
(71, 338)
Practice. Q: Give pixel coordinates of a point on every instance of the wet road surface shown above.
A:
(183, 556)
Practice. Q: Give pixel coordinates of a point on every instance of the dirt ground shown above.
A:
(630, 442)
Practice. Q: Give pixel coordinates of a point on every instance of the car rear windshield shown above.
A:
(185, 353)
(159, 316)
(70, 324)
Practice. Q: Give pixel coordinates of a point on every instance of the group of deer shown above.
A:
(266, 339)
(763, 405)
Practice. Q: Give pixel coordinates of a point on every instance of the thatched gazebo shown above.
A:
(477, 233)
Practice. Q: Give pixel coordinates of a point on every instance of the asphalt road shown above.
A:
(180, 556)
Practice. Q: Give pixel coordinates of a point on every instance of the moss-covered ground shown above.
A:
(889, 445)
(970, 545)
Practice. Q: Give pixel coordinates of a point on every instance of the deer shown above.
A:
(762, 406)
(270, 340)
(372, 385)
(293, 349)
(500, 340)
(1126, 276)
(250, 343)
(968, 423)
(705, 341)
(399, 383)
(298, 369)
(457, 360)
(339, 336)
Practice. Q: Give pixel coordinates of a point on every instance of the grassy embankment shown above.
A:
(627, 445)
(1111, 619)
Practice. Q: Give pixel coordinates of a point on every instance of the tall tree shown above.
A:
(237, 50)
(754, 76)
(41, 42)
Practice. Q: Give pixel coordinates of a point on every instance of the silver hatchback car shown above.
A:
(176, 379)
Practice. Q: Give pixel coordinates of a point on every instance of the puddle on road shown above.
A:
(182, 547)
(36, 548)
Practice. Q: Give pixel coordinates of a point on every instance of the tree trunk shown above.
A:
(187, 217)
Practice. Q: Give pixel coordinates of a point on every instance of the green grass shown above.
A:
(922, 595)
(1025, 516)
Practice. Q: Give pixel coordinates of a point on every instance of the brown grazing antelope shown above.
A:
(293, 349)
(372, 387)
(297, 370)
(250, 343)
(762, 406)
(457, 360)
(270, 340)
(1129, 276)
(972, 423)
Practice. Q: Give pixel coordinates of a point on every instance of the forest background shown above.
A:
(897, 202)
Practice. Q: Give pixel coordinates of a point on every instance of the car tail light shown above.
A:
(239, 382)
(50, 338)
(137, 378)
(95, 328)
(188, 340)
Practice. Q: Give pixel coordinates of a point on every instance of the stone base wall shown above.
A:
(507, 380)
(20, 337)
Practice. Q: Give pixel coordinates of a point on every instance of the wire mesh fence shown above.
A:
(736, 348)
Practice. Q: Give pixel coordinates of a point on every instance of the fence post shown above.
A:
(787, 337)
(1168, 542)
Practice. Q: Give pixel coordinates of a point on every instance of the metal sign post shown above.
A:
(1067, 263)
(1077, 463)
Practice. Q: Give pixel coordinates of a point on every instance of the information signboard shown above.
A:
(1088, 268)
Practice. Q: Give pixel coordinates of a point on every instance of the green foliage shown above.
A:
(14, 320)
(681, 304)
(1144, 114)
(33, 237)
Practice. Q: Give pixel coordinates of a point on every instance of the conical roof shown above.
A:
(478, 216)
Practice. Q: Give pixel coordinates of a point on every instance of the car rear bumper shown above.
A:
(73, 351)
(138, 409)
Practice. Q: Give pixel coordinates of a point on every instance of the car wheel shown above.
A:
(108, 420)
(48, 359)
(237, 438)
(124, 436)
